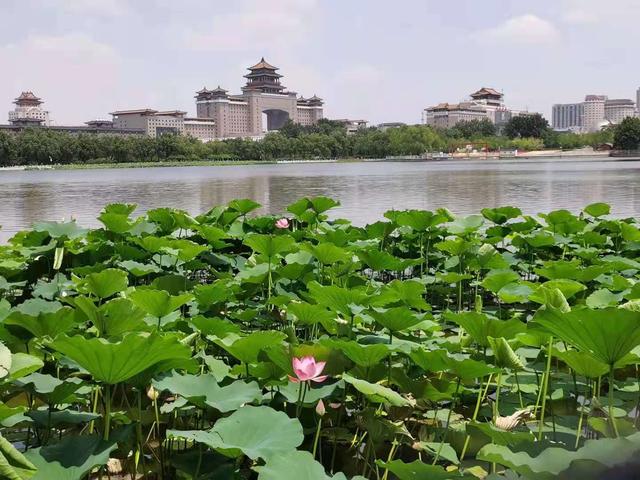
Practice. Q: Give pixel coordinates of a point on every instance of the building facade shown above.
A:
(485, 103)
(596, 112)
(567, 116)
(153, 122)
(617, 109)
(28, 111)
(263, 105)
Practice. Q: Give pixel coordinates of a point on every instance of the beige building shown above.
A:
(485, 103)
(447, 115)
(263, 105)
(203, 129)
(153, 122)
(28, 111)
(352, 126)
(617, 109)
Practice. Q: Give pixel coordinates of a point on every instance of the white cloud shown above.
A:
(75, 75)
(275, 23)
(106, 8)
(524, 29)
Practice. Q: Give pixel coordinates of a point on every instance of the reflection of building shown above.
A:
(352, 126)
(485, 103)
(591, 115)
(242, 115)
(28, 111)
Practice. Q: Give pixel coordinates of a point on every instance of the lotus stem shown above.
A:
(545, 387)
(107, 411)
(446, 431)
(481, 395)
(612, 418)
(392, 453)
(316, 438)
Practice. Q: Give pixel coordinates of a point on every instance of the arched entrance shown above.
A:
(274, 119)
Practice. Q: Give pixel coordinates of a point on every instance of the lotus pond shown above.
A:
(234, 346)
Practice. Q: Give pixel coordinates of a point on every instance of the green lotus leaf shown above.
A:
(158, 303)
(23, 364)
(603, 298)
(308, 314)
(106, 283)
(551, 297)
(246, 349)
(480, 326)
(381, 260)
(597, 209)
(69, 230)
(296, 465)
(607, 334)
(54, 419)
(243, 205)
(45, 323)
(328, 253)
(139, 269)
(116, 361)
(408, 293)
(363, 355)
(337, 298)
(270, 245)
(375, 392)
(583, 363)
(421, 220)
(500, 215)
(313, 394)
(72, 458)
(204, 390)
(418, 470)
(496, 279)
(55, 391)
(503, 354)
(517, 292)
(5, 360)
(397, 319)
(500, 436)
(597, 455)
(440, 361)
(444, 451)
(257, 432)
(13, 464)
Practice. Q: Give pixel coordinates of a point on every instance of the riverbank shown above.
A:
(559, 155)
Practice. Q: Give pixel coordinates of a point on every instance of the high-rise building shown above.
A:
(616, 110)
(242, 115)
(567, 116)
(594, 118)
(28, 111)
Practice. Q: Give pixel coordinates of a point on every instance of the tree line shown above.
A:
(327, 139)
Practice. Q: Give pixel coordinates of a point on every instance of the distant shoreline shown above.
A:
(541, 154)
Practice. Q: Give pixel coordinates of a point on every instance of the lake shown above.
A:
(365, 189)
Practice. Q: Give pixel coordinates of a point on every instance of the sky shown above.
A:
(378, 60)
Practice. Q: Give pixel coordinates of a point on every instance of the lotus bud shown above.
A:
(478, 304)
(152, 393)
(320, 410)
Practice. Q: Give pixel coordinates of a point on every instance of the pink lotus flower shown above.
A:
(282, 223)
(307, 369)
(320, 408)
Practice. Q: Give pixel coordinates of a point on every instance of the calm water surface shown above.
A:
(365, 190)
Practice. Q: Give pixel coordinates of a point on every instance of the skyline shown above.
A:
(87, 58)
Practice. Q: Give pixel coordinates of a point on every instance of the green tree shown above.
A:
(472, 129)
(523, 126)
(7, 149)
(626, 135)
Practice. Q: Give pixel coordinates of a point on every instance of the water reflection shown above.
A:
(366, 190)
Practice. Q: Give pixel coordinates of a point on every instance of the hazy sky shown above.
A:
(381, 60)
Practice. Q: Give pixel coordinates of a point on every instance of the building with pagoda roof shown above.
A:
(28, 111)
(484, 103)
(264, 104)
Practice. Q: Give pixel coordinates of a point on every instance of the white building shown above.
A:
(616, 110)
(28, 111)
(155, 123)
